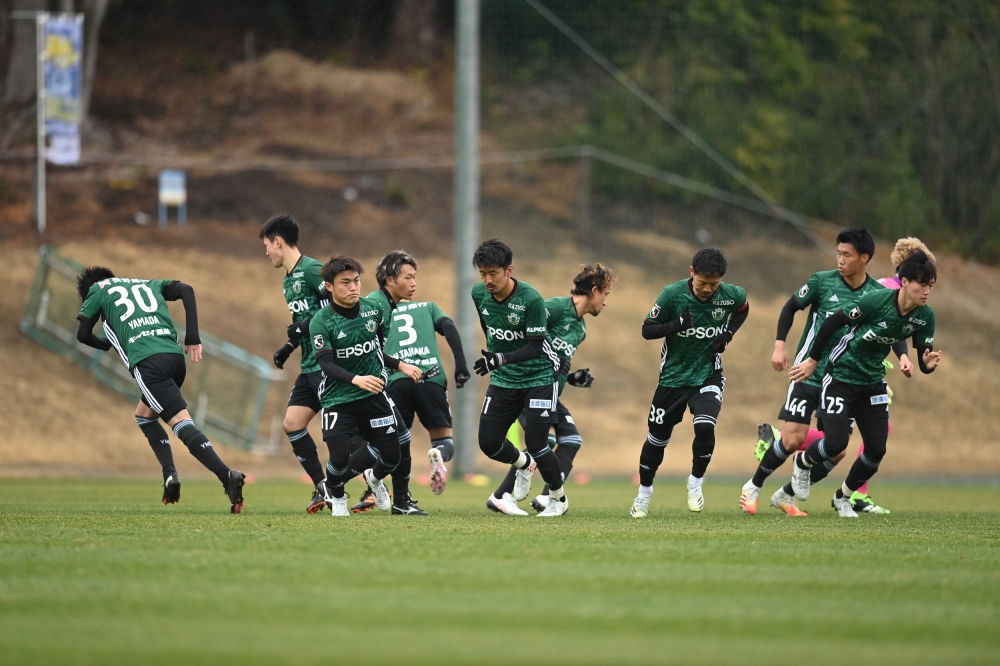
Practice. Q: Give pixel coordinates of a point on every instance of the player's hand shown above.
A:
(488, 363)
(803, 370)
(564, 366)
(430, 373)
(282, 354)
(906, 366)
(369, 383)
(461, 377)
(686, 320)
(411, 371)
(581, 378)
(296, 330)
(931, 359)
(779, 359)
(195, 351)
(721, 341)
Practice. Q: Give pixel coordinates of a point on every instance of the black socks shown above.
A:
(201, 448)
(159, 441)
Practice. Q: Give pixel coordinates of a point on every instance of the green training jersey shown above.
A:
(136, 319)
(876, 325)
(824, 293)
(565, 330)
(305, 293)
(356, 347)
(413, 339)
(508, 325)
(686, 358)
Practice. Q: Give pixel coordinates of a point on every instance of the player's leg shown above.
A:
(541, 414)
(159, 442)
(340, 431)
(861, 500)
(501, 407)
(435, 415)
(303, 405)
(705, 406)
(837, 405)
(666, 411)
(566, 442)
(401, 396)
(378, 424)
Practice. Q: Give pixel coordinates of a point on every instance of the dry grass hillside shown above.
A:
(57, 420)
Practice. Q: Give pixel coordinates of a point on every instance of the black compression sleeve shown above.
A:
(787, 318)
(391, 362)
(531, 349)
(737, 318)
(833, 323)
(85, 334)
(447, 328)
(920, 358)
(185, 293)
(900, 348)
(654, 330)
(331, 369)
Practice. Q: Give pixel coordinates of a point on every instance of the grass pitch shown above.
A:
(98, 572)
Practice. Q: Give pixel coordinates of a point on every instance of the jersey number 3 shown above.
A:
(140, 292)
(406, 327)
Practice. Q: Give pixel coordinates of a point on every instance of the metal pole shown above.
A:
(40, 102)
(466, 232)
(583, 214)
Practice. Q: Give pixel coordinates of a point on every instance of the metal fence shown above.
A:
(226, 392)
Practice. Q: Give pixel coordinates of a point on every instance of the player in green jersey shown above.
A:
(305, 293)
(566, 331)
(825, 293)
(137, 324)
(523, 367)
(697, 319)
(348, 338)
(853, 388)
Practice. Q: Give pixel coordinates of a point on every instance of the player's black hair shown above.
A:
(86, 279)
(493, 253)
(392, 265)
(338, 265)
(710, 261)
(589, 277)
(918, 268)
(860, 238)
(281, 225)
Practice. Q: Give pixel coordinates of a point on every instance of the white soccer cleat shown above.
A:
(800, 478)
(540, 502)
(505, 504)
(786, 503)
(696, 499)
(439, 473)
(338, 506)
(522, 481)
(381, 493)
(555, 508)
(640, 507)
(748, 498)
(844, 507)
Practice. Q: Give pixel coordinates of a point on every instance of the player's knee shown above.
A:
(704, 431)
(837, 457)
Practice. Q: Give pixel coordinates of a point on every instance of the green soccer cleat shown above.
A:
(865, 504)
(767, 435)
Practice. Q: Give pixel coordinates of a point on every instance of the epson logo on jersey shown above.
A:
(871, 336)
(561, 345)
(539, 404)
(702, 332)
(502, 334)
(301, 305)
(382, 422)
(357, 350)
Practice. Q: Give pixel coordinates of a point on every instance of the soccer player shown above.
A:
(137, 324)
(305, 294)
(696, 318)
(566, 330)
(853, 387)
(523, 367)
(348, 337)
(824, 293)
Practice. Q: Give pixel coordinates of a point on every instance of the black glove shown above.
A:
(282, 354)
(297, 329)
(488, 363)
(564, 366)
(461, 376)
(719, 344)
(430, 373)
(581, 378)
(686, 320)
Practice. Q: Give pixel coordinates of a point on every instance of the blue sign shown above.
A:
(63, 86)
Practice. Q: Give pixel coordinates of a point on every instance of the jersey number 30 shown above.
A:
(140, 292)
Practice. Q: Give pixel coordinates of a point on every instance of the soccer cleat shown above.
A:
(555, 508)
(844, 507)
(338, 506)
(640, 507)
(540, 502)
(865, 504)
(748, 500)
(366, 503)
(319, 498)
(786, 503)
(522, 481)
(505, 504)
(439, 473)
(407, 507)
(171, 490)
(380, 492)
(696, 499)
(234, 490)
(767, 435)
(800, 478)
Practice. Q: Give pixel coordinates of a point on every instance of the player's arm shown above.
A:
(924, 344)
(735, 322)
(446, 327)
(779, 359)
(85, 334)
(662, 320)
(535, 334)
(833, 323)
(174, 291)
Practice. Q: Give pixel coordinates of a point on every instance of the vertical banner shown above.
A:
(63, 59)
